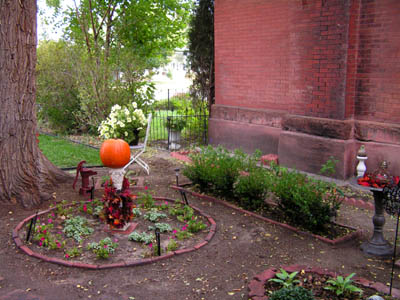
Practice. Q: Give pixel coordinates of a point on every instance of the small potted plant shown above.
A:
(175, 125)
(124, 122)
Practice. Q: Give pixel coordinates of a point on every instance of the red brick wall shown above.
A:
(323, 58)
(287, 55)
(378, 63)
(251, 49)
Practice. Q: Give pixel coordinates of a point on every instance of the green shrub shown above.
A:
(217, 169)
(296, 293)
(250, 190)
(302, 200)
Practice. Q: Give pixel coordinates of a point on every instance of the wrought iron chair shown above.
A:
(141, 148)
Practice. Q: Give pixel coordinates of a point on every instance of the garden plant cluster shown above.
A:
(237, 177)
(309, 286)
(77, 230)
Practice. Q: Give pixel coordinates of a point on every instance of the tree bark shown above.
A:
(26, 176)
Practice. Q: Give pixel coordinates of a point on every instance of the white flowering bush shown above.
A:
(122, 122)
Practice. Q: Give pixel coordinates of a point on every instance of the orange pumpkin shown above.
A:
(115, 153)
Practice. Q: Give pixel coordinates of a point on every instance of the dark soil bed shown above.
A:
(242, 247)
(331, 231)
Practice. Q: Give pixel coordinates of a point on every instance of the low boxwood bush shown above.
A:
(236, 177)
(251, 189)
(295, 293)
(217, 169)
(301, 199)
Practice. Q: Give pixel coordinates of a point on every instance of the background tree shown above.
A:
(201, 51)
(26, 176)
(124, 41)
(57, 85)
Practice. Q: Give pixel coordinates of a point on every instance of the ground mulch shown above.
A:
(242, 247)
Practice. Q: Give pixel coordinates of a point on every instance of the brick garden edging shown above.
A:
(28, 251)
(357, 233)
(257, 290)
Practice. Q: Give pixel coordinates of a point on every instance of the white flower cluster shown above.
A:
(122, 122)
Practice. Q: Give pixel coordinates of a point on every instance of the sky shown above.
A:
(49, 31)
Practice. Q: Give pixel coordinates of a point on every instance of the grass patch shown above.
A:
(63, 153)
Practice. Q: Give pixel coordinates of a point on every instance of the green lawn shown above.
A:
(67, 154)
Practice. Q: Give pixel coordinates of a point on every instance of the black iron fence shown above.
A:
(173, 131)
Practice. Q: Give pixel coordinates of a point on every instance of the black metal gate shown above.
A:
(173, 131)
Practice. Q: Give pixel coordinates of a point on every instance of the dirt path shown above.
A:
(241, 248)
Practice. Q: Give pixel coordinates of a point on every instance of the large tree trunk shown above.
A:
(26, 176)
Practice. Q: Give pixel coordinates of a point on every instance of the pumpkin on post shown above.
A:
(118, 202)
(115, 154)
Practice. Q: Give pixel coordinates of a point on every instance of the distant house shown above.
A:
(309, 79)
(172, 77)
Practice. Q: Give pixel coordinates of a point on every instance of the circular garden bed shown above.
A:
(74, 235)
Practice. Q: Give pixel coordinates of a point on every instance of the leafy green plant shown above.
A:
(93, 208)
(154, 215)
(183, 213)
(103, 248)
(294, 293)
(182, 234)
(141, 237)
(45, 238)
(343, 286)
(172, 245)
(76, 228)
(285, 279)
(163, 227)
(73, 252)
(146, 200)
(329, 167)
(194, 226)
(62, 209)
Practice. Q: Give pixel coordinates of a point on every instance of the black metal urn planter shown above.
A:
(354, 233)
(24, 231)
